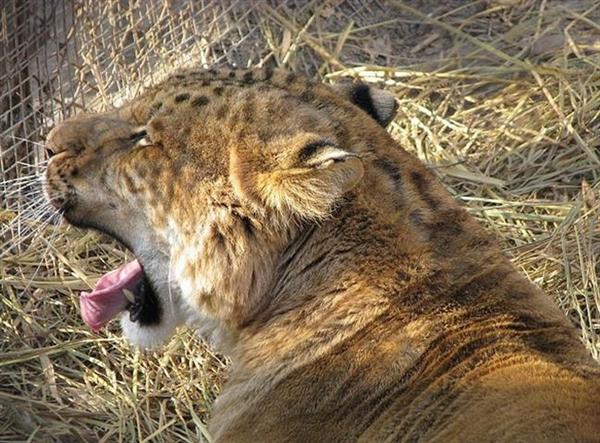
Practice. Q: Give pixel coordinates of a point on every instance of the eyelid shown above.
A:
(311, 148)
(138, 135)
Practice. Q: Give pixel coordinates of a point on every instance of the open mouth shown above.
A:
(125, 288)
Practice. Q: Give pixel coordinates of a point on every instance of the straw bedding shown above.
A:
(501, 98)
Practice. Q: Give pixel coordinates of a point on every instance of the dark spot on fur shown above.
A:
(264, 135)
(218, 90)
(205, 82)
(103, 178)
(155, 168)
(268, 72)
(307, 96)
(446, 231)
(185, 132)
(263, 88)
(248, 226)
(247, 111)
(142, 169)
(221, 112)
(416, 217)
(217, 236)
(199, 101)
(232, 74)
(74, 172)
(212, 72)
(311, 148)
(157, 125)
(77, 148)
(248, 77)
(449, 222)
(290, 78)
(182, 97)
(421, 184)
(390, 169)
(473, 285)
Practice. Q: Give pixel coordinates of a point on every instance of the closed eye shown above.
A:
(312, 148)
(138, 135)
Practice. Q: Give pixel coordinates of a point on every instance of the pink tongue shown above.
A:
(108, 299)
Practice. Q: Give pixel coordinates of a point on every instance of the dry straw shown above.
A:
(501, 98)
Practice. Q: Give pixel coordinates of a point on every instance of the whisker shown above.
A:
(28, 177)
(24, 235)
(24, 229)
(33, 212)
(35, 208)
(21, 185)
(49, 243)
(32, 204)
(22, 193)
(20, 180)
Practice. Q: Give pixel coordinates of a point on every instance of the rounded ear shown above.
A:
(306, 184)
(378, 103)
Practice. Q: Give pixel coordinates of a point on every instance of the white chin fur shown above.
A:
(172, 316)
(147, 337)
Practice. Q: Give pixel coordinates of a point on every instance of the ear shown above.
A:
(378, 103)
(307, 182)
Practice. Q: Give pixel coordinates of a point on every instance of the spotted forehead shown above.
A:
(258, 101)
(201, 87)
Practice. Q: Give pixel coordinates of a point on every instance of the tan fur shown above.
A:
(360, 302)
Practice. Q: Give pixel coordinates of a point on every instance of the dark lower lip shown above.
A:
(146, 310)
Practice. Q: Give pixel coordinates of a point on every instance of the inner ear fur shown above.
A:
(305, 179)
(378, 103)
